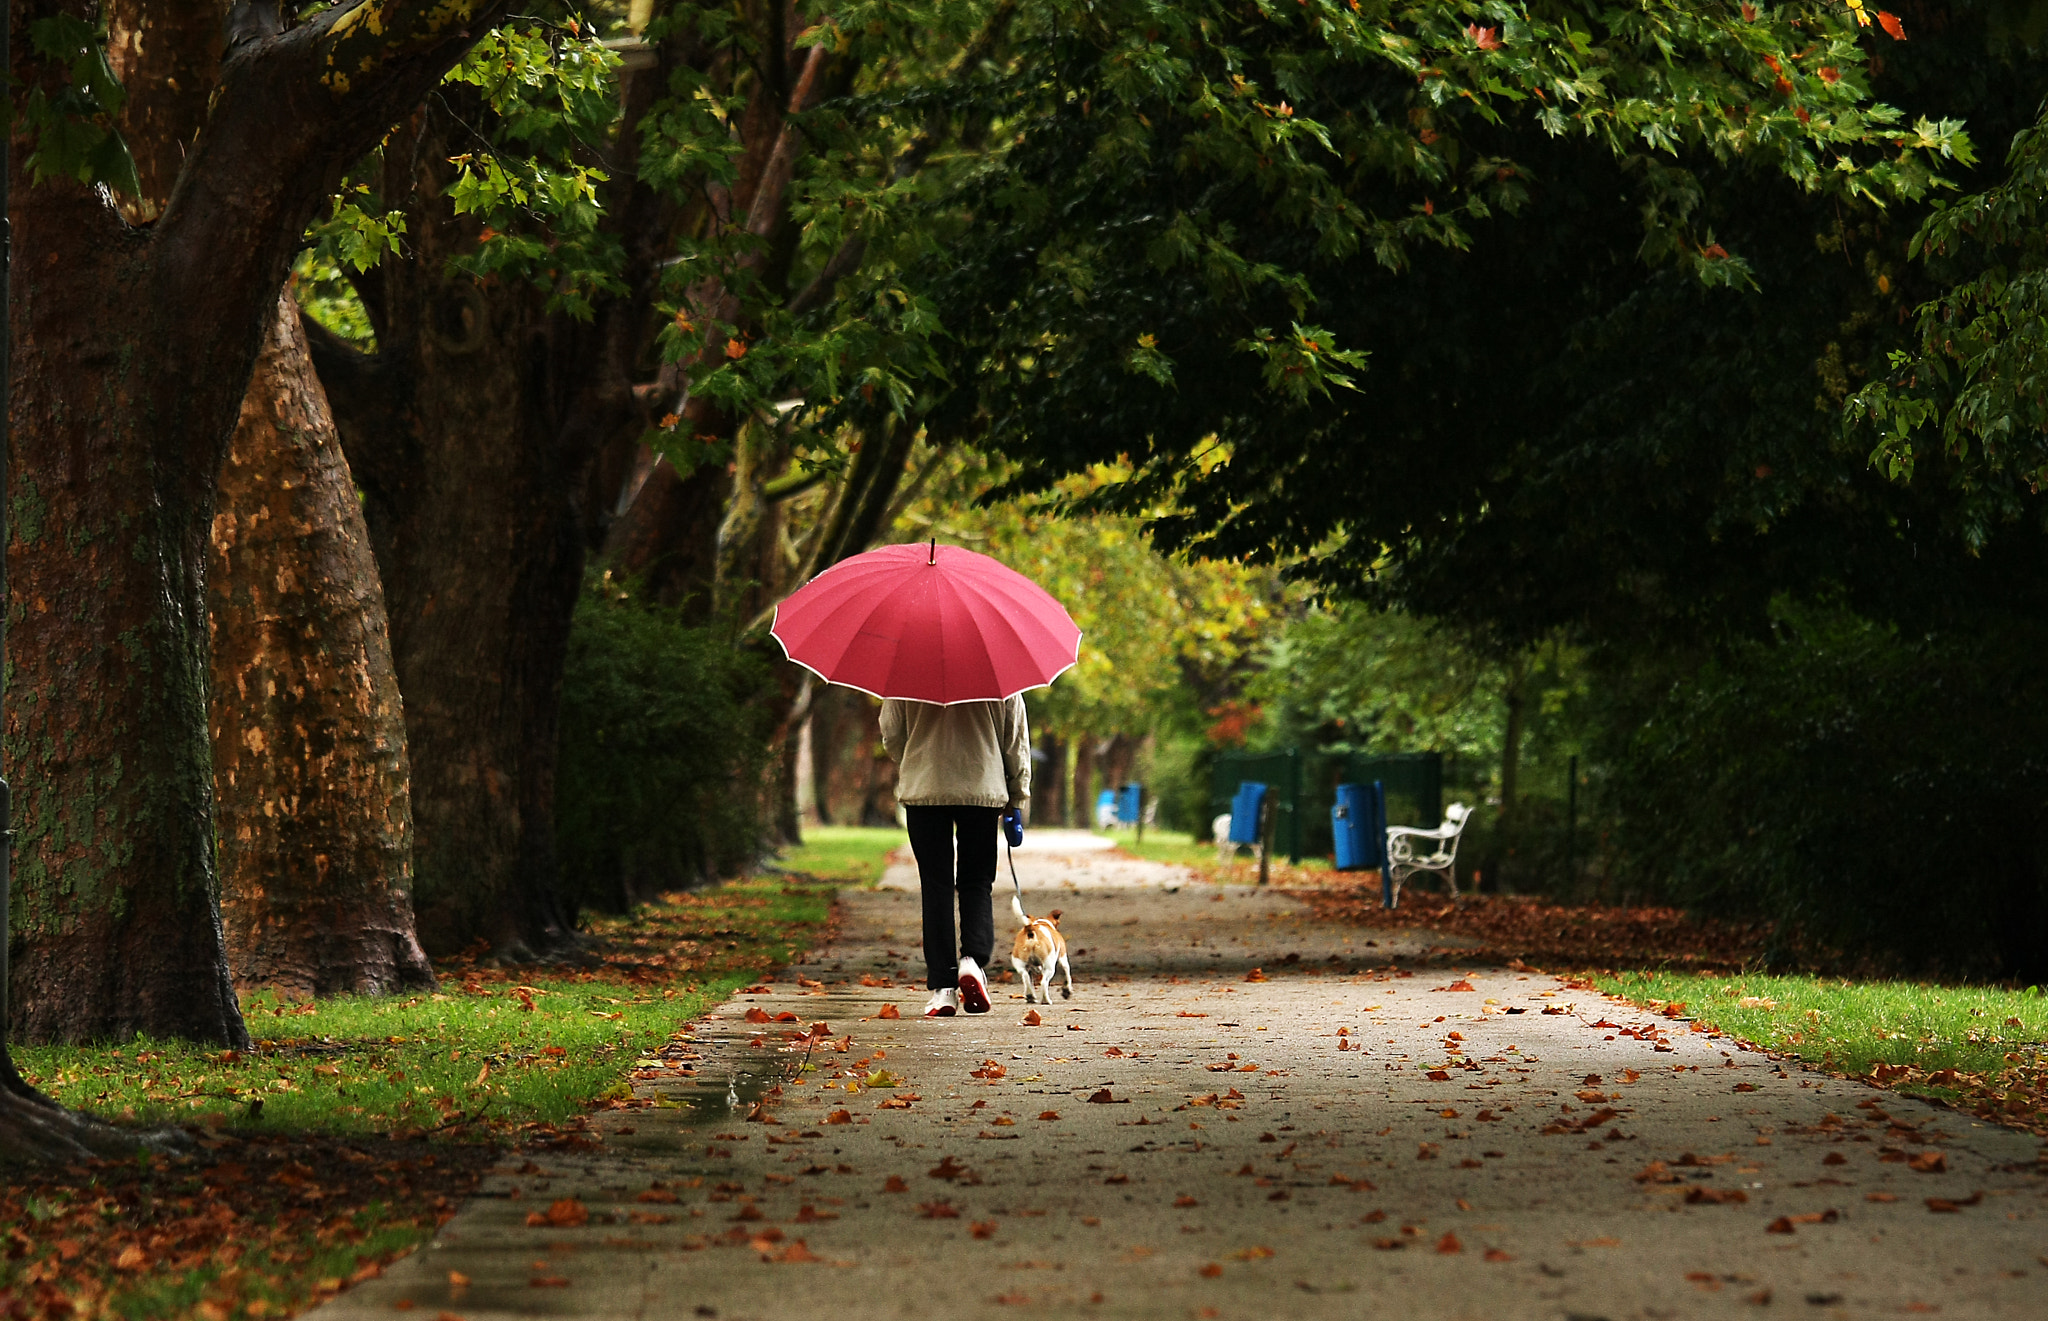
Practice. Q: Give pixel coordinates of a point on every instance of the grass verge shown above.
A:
(1981, 1049)
(357, 1123)
(853, 855)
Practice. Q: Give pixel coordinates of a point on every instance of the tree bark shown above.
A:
(309, 754)
(1510, 773)
(481, 431)
(826, 711)
(133, 351)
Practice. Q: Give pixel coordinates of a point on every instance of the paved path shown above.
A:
(1180, 1142)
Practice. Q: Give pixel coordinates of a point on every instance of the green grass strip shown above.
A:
(490, 1050)
(1983, 1048)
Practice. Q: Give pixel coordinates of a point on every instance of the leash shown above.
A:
(1010, 851)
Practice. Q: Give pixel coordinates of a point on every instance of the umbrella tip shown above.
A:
(935, 552)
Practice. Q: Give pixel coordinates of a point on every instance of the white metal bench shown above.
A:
(1411, 849)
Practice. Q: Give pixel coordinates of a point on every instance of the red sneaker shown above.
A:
(973, 988)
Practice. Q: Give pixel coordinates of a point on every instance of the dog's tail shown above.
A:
(1017, 907)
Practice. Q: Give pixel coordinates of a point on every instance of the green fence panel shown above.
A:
(1281, 773)
(1414, 782)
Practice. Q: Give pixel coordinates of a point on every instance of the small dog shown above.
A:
(1040, 949)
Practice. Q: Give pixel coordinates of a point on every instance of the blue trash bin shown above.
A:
(1351, 827)
(1244, 812)
(1127, 805)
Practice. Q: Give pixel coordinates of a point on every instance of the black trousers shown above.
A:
(943, 873)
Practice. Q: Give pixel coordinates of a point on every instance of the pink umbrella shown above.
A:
(928, 623)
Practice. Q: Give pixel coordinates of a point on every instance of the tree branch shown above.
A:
(367, 399)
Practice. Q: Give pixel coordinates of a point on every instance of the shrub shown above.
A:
(665, 767)
(1874, 794)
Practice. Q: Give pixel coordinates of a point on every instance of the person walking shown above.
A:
(959, 768)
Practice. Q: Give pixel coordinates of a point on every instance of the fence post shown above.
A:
(1571, 816)
(1266, 813)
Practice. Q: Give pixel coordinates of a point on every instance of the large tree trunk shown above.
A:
(309, 758)
(481, 431)
(133, 352)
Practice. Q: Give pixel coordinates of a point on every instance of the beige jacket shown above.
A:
(971, 754)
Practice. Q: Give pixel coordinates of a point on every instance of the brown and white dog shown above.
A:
(1040, 948)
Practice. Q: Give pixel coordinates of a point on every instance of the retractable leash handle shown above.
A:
(1013, 835)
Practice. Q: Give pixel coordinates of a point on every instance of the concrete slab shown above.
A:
(1180, 1142)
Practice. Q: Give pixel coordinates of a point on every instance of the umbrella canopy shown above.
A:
(927, 623)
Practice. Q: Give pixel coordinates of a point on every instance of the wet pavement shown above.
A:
(1240, 1110)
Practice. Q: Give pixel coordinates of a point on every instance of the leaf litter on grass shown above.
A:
(359, 1123)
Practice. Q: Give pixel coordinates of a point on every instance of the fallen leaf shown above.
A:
(1880, 1197)
(888, 1011)
(983, 1229)
(1032, 1019)
(1496, 1254)
(1048, 1114)
(131, 1258)
(1256, 975)
(1449, 1242)
(1210, 1271)
(1459, 985)
(549, 1282)
(1102, 1097)
(895, 1184)
(756, 1014)
(839, 1117)
(1928, 1162)
(1715, 1196)
(655, 1195)
(938, 1211)
(1437, 1075)
(563, 1213)
(1185, 1200)
(457, 1280)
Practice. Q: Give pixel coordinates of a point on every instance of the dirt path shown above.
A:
(1179, 1141)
